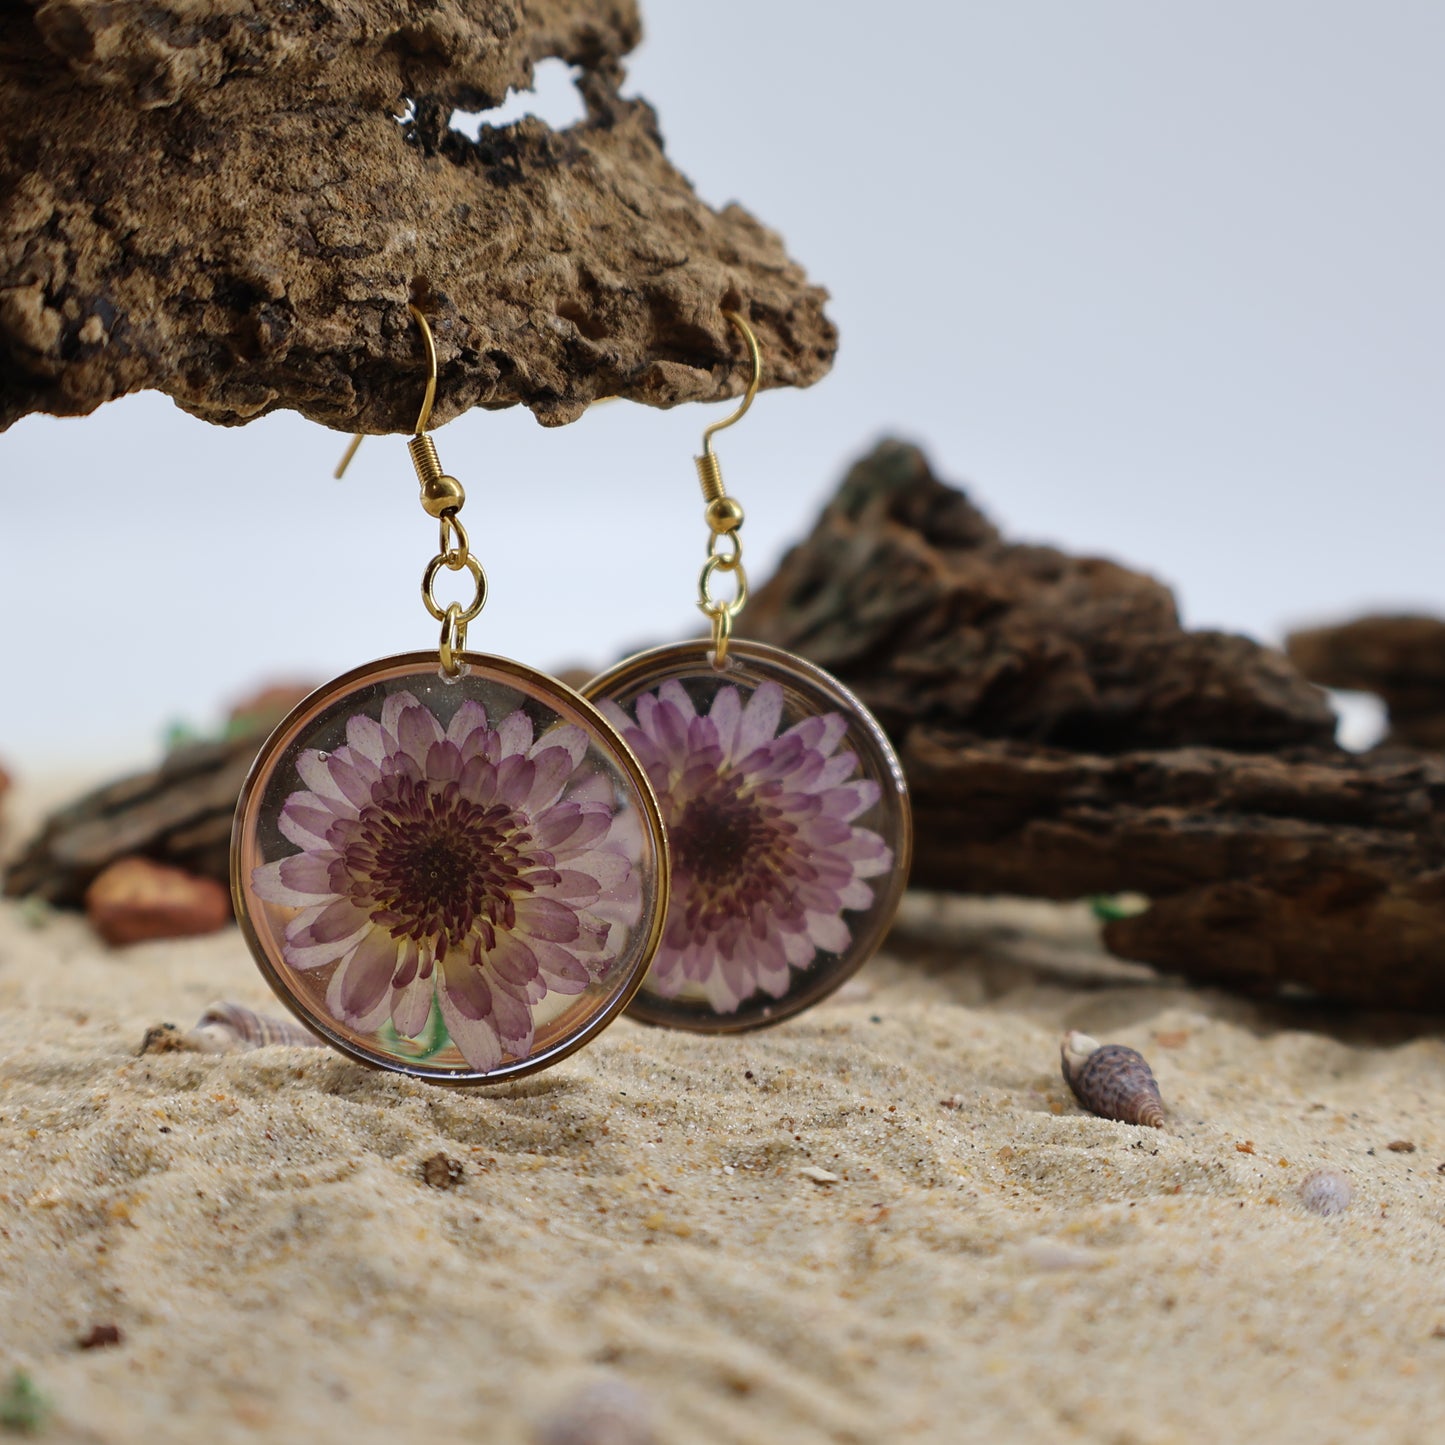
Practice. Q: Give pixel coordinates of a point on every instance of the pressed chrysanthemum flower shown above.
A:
(470, 864)
(766, 858)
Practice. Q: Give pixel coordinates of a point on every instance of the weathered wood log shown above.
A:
(1400, 659)
(908, 594)
(1064, 736)
(179, 813)
(232, 202)
(1313, 868)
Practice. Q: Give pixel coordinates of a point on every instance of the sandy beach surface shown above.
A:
(884, 1220)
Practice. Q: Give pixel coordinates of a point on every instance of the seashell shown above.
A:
(1111, 1081)
(226, 1026)
(1326, 1191)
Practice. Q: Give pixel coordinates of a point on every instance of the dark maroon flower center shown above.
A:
(716, 837)
(734, 853)
(429, 864)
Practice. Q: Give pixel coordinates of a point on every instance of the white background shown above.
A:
(1158, 281)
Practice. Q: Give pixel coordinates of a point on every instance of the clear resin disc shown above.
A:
(460, 879)
(788, 824)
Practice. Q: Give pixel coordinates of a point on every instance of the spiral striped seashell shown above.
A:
(1111, 1081)
(226, 1026)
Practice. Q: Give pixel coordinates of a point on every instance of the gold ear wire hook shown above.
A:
(347, 455)
(724, 514)
(757, 359)
(424, 416)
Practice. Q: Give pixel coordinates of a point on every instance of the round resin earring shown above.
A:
(786, 809)
(445, 863)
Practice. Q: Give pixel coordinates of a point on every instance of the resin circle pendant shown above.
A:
(463, 880)
(788, 824)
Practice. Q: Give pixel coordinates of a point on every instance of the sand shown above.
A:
(885, 1220)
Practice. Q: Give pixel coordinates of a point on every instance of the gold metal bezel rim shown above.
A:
(536, 683)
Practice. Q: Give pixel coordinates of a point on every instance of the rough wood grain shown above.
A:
(1312, 867)
(907, 593)
(1063, 736)
(232, 202)
(179, 813)
(1401, 659)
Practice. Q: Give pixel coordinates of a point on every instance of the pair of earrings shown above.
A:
(452, 865)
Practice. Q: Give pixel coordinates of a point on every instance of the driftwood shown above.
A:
(179, 813)
(907, 593)
(1063, 736)
(232, 202)
(1400, 659)
(1310, 868)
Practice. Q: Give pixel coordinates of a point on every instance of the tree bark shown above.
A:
(232, 202)
(1064, 736)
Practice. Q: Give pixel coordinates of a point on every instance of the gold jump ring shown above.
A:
(429, 579)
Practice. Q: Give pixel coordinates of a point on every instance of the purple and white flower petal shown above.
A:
(766, 854)
(478, 866)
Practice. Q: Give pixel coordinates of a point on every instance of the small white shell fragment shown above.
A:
(1326, 1191)
(819, 1176)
